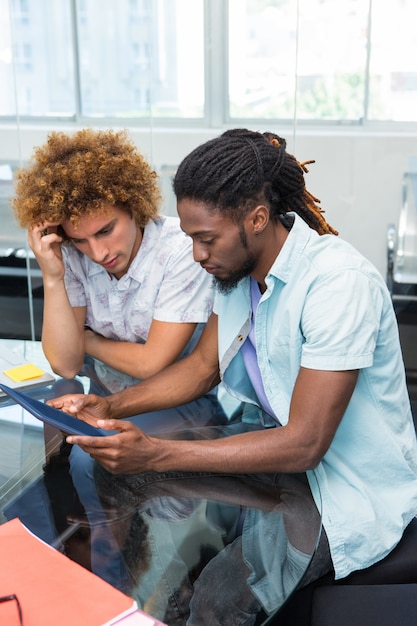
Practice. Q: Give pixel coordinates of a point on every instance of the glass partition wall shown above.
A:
(65, 64)
(20, 277)
(177, 72)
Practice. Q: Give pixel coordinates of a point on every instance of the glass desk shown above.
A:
(192, 549)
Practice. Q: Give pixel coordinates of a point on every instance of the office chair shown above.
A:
(383, 594)
(402, 248)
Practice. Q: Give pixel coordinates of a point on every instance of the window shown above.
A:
(304, 60)
(393, 65)
(134, 68)
(209, 62)
(39, 74)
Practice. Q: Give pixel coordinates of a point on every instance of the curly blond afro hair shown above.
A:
(76, 175)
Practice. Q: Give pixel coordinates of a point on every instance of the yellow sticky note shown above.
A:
(24, 372)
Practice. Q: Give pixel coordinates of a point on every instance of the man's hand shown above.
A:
(45, 243)
(129, 451)
(88, 408)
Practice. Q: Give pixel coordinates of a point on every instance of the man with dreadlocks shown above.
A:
(303, 327)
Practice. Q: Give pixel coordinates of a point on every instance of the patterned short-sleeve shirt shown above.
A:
(163, 283)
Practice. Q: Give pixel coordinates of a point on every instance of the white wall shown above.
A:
(358, 179)
(357, 175)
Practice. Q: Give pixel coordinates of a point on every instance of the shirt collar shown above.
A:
(292, 250)
(151, 233)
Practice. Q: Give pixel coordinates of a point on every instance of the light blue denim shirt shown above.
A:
(326, 307)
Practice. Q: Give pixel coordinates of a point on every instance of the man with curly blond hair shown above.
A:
(120, 282)
(118, 278)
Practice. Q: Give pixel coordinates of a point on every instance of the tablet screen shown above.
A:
(48, 414)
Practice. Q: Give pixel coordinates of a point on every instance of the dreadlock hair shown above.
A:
(240, 169)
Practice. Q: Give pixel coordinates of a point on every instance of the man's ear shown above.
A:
(259, 218)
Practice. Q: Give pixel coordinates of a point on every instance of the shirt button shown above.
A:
(240, 338)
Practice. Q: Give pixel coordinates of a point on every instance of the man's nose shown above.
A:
(200, 252)
(98, 251)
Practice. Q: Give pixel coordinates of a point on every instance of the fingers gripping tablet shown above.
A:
(48, 414)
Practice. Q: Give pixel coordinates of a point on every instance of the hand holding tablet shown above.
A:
(49, 415)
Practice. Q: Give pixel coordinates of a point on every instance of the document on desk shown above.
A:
(19, 373)
(139, 618)
(50, 588)
(49, 415)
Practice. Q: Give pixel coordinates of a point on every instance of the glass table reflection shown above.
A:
(191, 548)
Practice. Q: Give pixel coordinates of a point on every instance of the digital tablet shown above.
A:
(48, 414)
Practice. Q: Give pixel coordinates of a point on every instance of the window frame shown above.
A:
(216, 105)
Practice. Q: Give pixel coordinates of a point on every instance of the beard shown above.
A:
(226, 285)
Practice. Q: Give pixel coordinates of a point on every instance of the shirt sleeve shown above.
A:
(340, 321)
(186, 292)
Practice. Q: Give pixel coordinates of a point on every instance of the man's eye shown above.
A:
(206, 242)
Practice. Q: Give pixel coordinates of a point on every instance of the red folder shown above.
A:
(51, 588)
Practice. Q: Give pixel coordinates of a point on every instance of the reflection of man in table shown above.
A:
(205, 549)
(304, 327)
